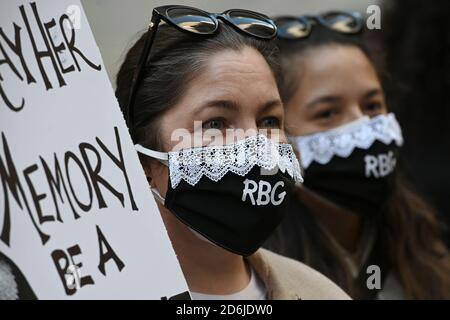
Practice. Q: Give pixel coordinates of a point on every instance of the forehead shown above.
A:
(337, 68)
(242, 75)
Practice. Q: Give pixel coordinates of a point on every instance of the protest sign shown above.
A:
(76, 214)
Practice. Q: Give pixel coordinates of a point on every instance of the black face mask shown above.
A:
(234, 195)
(353, 165)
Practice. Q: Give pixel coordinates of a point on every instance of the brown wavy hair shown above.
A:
(411, 237)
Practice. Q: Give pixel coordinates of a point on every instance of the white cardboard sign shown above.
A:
(76, 214)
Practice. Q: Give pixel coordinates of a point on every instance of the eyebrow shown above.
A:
(269, 105)
(373, 92)
(332, 98)
(322, 99)
(222, 104)
(233, 105)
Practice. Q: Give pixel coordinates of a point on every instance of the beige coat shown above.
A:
(287, 279)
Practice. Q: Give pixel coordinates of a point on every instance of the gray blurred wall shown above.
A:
(116, 24)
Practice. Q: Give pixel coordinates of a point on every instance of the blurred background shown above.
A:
(116, 23)
(414, 41)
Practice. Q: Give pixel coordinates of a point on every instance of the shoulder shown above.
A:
(287, 278)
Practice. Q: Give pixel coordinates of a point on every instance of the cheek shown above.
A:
(160, 178)
(176, 130)
(296, 123)
(282, 136)
(276, 135)
(309, 127)
(166, 133)
(375, 113)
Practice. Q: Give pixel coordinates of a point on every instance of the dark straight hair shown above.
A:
(175, 59)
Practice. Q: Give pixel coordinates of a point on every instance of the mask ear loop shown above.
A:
(162, 157)
(158, 197)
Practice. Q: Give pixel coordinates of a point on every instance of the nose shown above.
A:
(250, 128)
(247, 126)
(354, 113)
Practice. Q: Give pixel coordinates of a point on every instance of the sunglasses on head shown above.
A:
(198, 22)
(292, 28)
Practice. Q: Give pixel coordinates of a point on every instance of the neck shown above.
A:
(347, 232)
(207, 268)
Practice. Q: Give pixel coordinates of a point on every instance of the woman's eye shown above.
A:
(326, 114)
(373, 106)
(270, 122)
(217, 124)
(373, 109)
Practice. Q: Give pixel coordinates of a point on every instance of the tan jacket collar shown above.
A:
(277, 284)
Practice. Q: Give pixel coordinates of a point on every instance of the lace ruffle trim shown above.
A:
(240, 158)
(322, 147)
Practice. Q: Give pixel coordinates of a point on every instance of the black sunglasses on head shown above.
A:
(292, 28)
(199, 22)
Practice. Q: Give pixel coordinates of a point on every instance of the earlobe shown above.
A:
(147, 170)
(151, 169)
(148, 176)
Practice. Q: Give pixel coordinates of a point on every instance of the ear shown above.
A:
(146, 165)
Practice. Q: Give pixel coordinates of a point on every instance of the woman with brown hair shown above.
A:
(197, 72)
(356, 215)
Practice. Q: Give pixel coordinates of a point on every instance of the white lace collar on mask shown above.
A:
(214, 162)
(323, 146)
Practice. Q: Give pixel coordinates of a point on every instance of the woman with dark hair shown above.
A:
(356, 215)
(199, 72)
